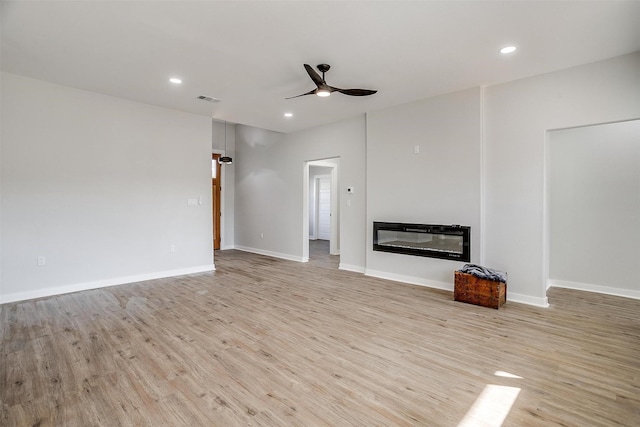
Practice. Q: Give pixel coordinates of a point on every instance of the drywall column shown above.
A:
(518, 115)
(423, 166)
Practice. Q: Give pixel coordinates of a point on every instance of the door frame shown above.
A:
(334, 243)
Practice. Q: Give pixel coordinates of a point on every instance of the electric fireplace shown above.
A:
(428, 240)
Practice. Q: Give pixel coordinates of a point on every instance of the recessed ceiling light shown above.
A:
(175, 80)
(508, 49)
(288, 114)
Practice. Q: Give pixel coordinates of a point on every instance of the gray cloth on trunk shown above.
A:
(484, 273)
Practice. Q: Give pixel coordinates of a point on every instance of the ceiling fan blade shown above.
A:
(323, 89)
(314, 76)
(311, 92)
(355, 92)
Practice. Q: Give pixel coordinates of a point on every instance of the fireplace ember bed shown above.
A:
(428, 240)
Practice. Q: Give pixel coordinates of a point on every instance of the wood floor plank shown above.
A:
(268, 342)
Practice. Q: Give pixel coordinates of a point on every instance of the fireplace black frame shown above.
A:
(447, 230)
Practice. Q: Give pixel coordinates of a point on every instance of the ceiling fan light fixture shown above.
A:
(323, 93)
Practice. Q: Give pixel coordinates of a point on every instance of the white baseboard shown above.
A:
(628, 293)
(272, 254)
(59, 290)
(519, 298)
(349, 267)
(409, 279)
(526, 299)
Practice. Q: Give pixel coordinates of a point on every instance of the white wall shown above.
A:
(594, 202)
(99, 186)
(261, 194)
(270, 188)
(439, 185)
(227, 221)
(517, 117)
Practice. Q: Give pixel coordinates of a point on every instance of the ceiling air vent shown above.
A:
(209, 98)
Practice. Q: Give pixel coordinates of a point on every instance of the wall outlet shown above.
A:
(42, 260)
(262, 235)
(416, 149)
(172, 249)
(192, 202)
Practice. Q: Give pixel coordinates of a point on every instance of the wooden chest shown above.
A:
(473, 290)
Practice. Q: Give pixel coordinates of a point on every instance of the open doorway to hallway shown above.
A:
(319, 254)
(322, 211)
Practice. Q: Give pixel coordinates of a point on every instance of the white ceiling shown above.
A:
(250, 54)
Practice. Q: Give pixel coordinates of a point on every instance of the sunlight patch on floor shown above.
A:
(493, 405)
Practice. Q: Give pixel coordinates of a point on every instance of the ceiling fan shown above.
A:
(323, 89)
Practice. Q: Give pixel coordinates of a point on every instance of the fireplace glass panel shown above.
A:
(428, 240)
(421, 241)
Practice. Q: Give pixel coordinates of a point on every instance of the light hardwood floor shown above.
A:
(268, 342)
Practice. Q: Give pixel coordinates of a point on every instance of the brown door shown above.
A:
(216, 181)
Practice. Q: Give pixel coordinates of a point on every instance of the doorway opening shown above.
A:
(592, 199)
(321, 211)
